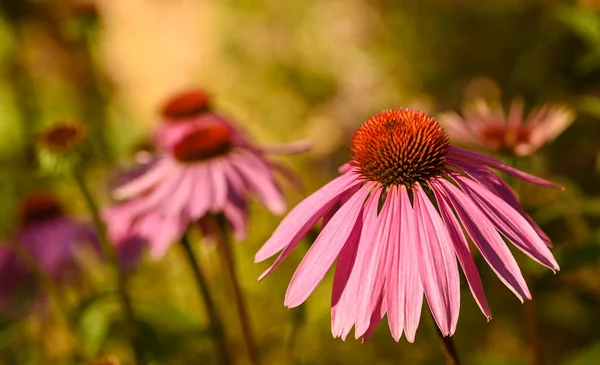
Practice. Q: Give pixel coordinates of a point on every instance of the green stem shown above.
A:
(213, 318)
(226, 254)
(111, 254)
(448, 348)
(57, 300)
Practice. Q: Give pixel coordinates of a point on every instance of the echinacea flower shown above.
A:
(397, 220)
(49, 237)
(486, 126)
(205, 165)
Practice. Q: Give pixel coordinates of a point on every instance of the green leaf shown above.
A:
(582, 22)
(94, 325)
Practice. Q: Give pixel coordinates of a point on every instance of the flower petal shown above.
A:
(461, 247)
(374, 267)
(409, 277)
(487, 240)
(201, 196)
(462, 155)
(219, 185)
(325, 249)
(395, 293)
(180, 198)
(508, 222)
(437, 264)
(343, 300)
(304, 215)
(495, 184)
(260, 179)
(144, 182)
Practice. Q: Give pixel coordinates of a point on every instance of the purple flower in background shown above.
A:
(205, 165)
(489, 128)
(50, 238)
(398, 219)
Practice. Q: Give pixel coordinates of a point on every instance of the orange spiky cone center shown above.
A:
(399, 146)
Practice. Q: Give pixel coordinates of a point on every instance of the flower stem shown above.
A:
(111, 254)
(531, 322)
(213, 318)
(448, 348)
(51, 289)
(226, 254)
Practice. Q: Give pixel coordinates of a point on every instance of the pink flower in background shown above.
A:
(489, 128)
(397, 221)
(205, 165)
(49, 237)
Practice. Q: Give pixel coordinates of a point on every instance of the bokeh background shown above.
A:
(288, 70)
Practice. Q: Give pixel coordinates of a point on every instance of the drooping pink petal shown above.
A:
(456, 127)
(343, 301)
(345, 168)
(437, 264)
(219, 184)
(462, 155)
(325, 249)
(379, 311)
(495, 184)
(487, 240)
(395, 293)
(508, 222)
(236, 216)
(374, 268)
(304, 215)
(515, 114)
(146, 181)
(202, 193)
(180, 198)
(160, 194)
(461, 248)
(236, 183)
(548, 124)
(260, 180)
(342, 311)
(409, 277)
(290, 148)
(170, 230)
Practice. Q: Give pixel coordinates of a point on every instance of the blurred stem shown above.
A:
(45, 280)
(226, 253)
(213, 318)
(111, 254)
(24, 88)
(533, 331)
(298, 318)
(448, 348)
(94, 102)
(51, 289)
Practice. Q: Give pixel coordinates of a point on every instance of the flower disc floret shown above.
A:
(399, 147)
(63, 137)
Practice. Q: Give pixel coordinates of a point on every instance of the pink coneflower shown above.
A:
(396, 219)
(49, 237)
(205, 165)
(487, 127)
